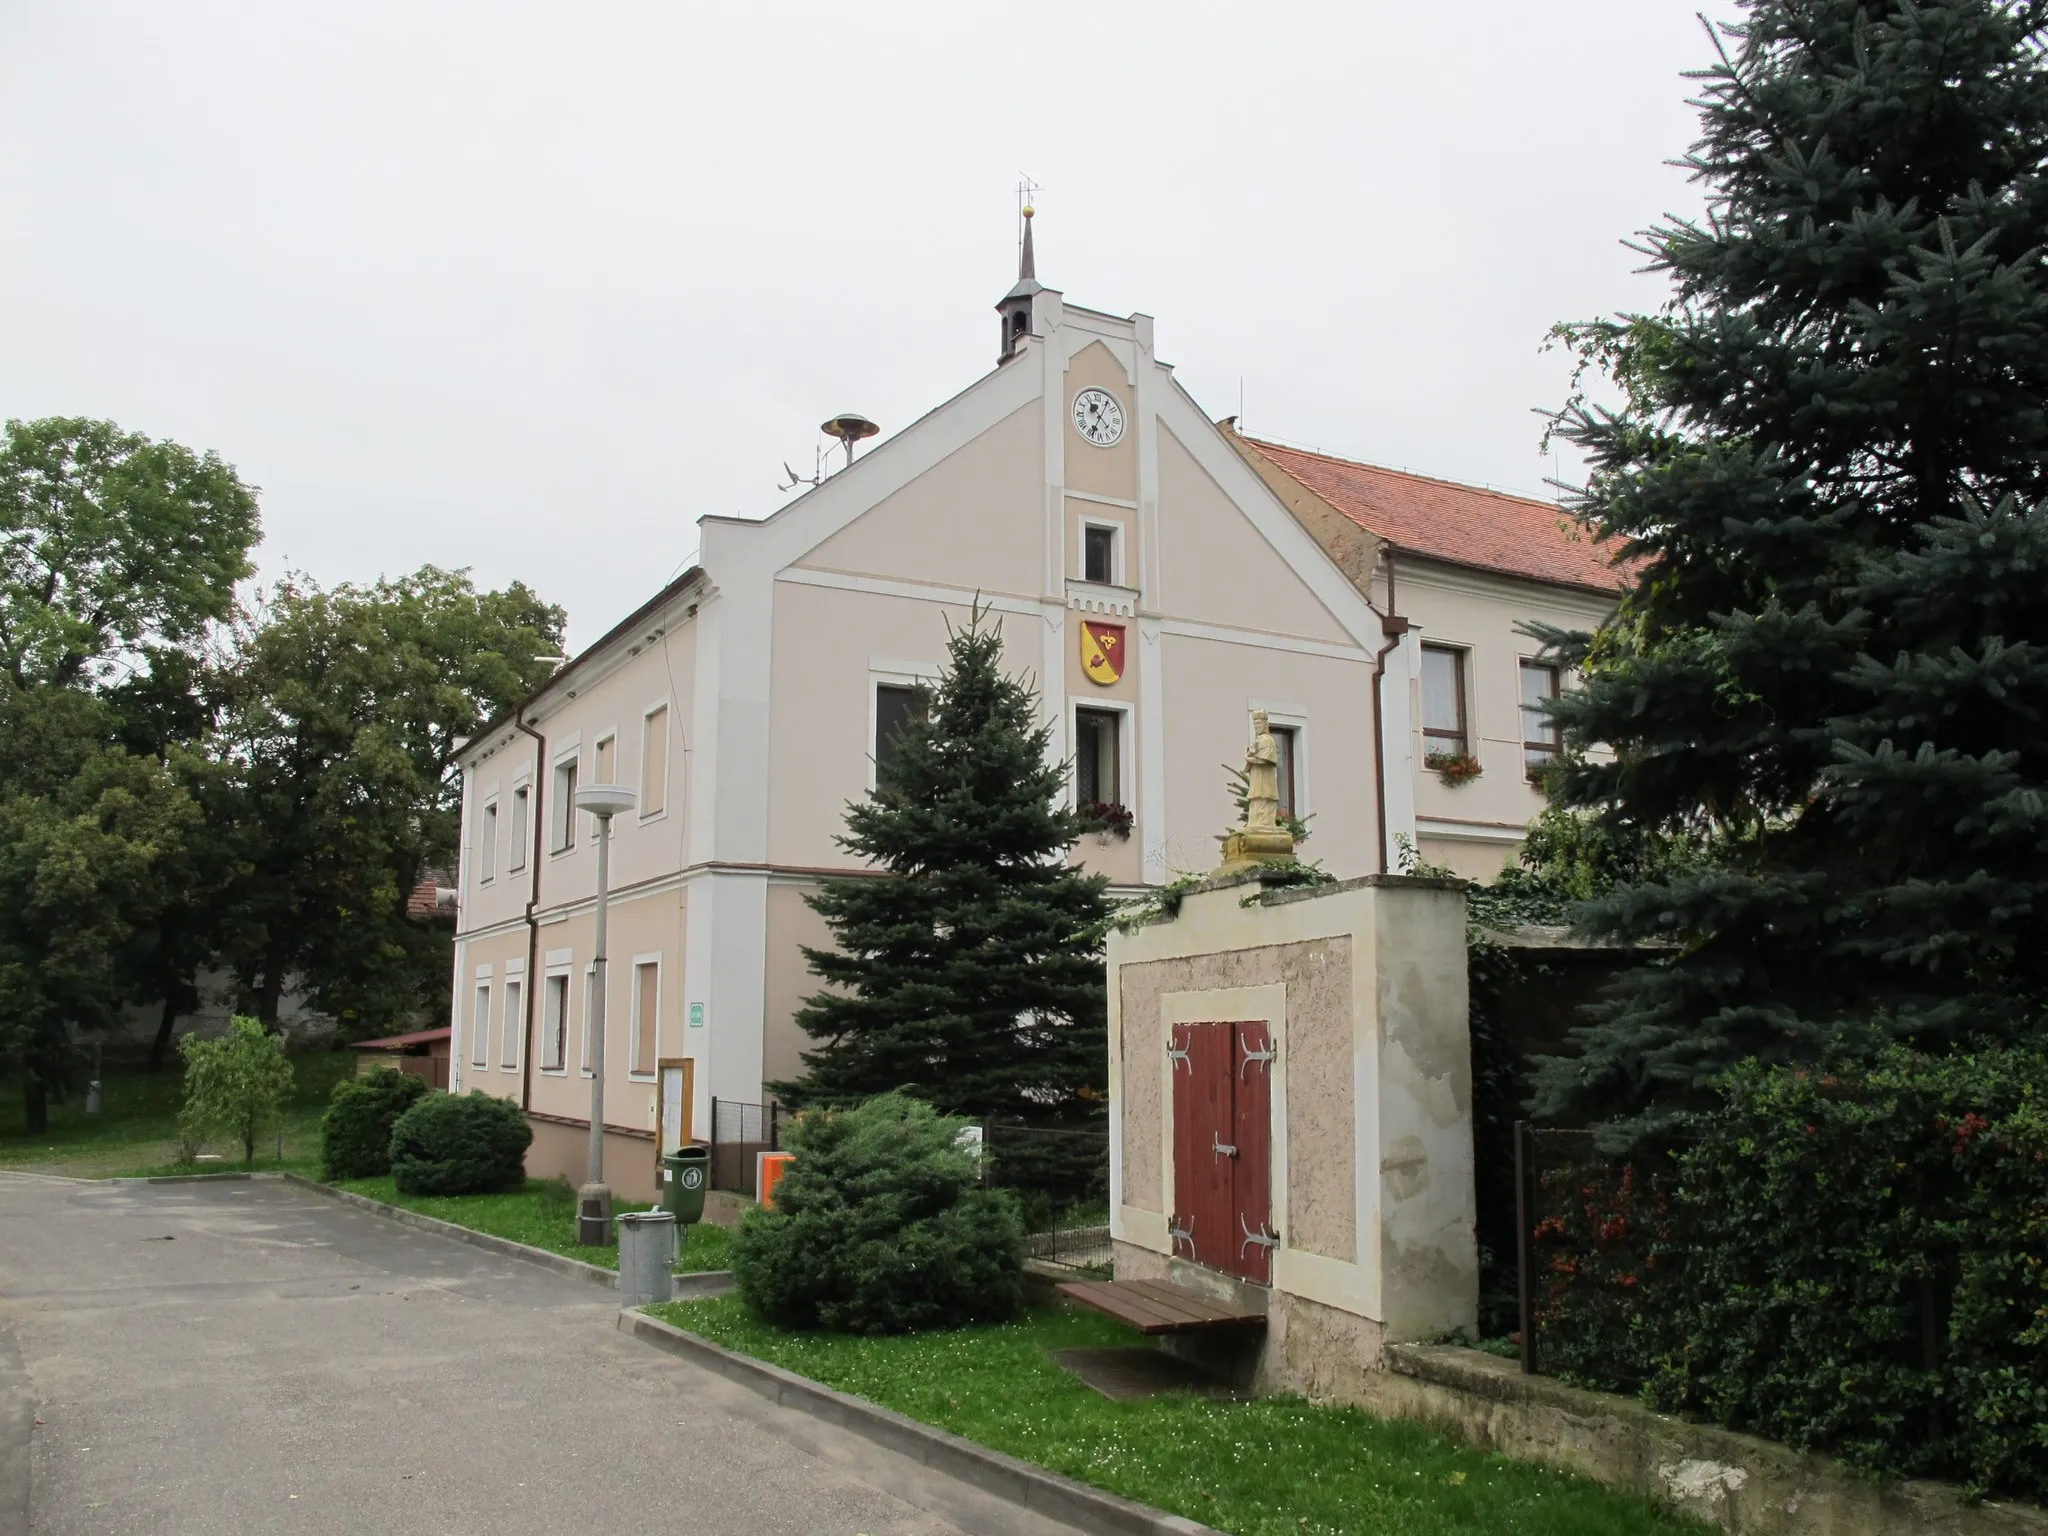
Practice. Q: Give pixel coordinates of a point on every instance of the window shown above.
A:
(602, 760)
(487, 844)
(646, 1014)
(1541, 736)
(1286, 747)
(521, 800)
(480, 1027)
(564, 817)
(514, 1026)
(554, 1024)
(895, 707)
(1443, 702)
(654, 762)
(1098, 772)
(1098, 553)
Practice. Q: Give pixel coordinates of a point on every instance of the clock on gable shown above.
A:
(1098, 417)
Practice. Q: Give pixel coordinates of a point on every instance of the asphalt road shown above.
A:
(247, 1357)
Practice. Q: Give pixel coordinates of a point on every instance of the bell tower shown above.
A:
(1016, 305)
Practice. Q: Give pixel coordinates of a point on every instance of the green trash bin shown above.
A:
(688, 1172)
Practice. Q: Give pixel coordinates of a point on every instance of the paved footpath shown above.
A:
(251, 1358)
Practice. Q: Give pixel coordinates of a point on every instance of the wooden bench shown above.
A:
(1158, 1306)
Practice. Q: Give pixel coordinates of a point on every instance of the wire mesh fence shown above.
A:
(1060, 1176)
(740, 1132)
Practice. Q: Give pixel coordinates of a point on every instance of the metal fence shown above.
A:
(739, 1134)
(1060, 1176)
(1585, 1227)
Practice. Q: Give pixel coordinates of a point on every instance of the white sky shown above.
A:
(530, 288)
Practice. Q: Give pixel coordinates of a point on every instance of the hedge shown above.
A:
(1851, 1261)
(469, 1144)
(355, 1133)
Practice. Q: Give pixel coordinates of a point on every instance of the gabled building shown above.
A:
(1467, 568)
(1144, 571)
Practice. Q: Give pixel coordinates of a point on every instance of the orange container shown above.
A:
(773, 1165)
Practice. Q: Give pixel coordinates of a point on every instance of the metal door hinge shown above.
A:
(1221, 1148)
(1180, 1056)
(1177, 1234)
(1262, 1237)
(1251, 1056)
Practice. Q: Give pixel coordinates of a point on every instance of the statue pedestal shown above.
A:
(1249, 847)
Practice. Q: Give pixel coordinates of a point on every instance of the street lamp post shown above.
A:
(594, 1199)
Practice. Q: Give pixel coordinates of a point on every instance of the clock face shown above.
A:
(1098, 417)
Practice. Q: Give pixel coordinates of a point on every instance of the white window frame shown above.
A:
(668, 760)
(1294, 716)
(480, 1033)
(1468, 685)
(645, 1072)
(569, 757)
(1125, 764)
(487, 839)
(512, 1018)
(597, 744)
(1560, 673)
(1083, 522)
(518, 849)
(885, 671)
(561, 965)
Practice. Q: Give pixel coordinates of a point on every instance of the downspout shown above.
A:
(539, 831)
(1394, 628)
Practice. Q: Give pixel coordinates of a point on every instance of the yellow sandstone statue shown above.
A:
(1261, 839)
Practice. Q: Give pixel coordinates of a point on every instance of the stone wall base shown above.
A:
(562, 1151)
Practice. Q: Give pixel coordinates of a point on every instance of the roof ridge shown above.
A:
(1406, 474)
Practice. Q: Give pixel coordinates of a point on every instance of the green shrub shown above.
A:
(1853, 1261)
(881, 1226)
(235, 1086)
(355, 1133)
(471, 1144)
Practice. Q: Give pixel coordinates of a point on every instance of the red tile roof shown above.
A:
(1458, 524)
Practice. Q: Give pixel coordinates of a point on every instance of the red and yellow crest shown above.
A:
(1102, 651)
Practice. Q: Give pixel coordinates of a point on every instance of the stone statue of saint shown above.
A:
(1261, 840)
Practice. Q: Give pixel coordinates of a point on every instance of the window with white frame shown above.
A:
(1444, 731)
(1287, 754)
(513, 1025)
(480, 1027)
(896, 706)
(562, 817)
(646, 1015)
(654, 761)
(1541, 737)
(1101, 552)
(554, 1022)
(1098, 757)
(522, 826)
(487, 843)
(589, 1015)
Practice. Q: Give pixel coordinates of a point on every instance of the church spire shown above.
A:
(1027, 264)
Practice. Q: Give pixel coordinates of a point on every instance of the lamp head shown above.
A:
(604, 801)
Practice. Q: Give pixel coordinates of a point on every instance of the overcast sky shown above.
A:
(530, 288)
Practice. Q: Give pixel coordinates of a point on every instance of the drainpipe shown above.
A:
(1394, 628)
(538, 829)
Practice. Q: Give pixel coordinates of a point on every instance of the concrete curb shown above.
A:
(197, 1178)
(1034, 1488)
(686, 1288)
(17, 1431)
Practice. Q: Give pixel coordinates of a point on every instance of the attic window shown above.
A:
(1098, 553)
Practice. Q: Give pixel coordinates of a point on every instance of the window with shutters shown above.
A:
(654, 761)
(1222, 1147)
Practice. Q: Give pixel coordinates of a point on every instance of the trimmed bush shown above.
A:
(881, 1226)
(1852, 1261)
(472, 1144)
(355, 1133)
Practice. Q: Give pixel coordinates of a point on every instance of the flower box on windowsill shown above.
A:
(1106, 819)
(1454, 768)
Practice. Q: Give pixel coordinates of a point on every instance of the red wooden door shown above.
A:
(1222, 1147)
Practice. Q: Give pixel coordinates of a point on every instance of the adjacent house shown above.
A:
(1467, 568)
(1158, 576)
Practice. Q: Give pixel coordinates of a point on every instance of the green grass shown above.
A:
(1274, 1467)
(136, 1131)
(542, 1215)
